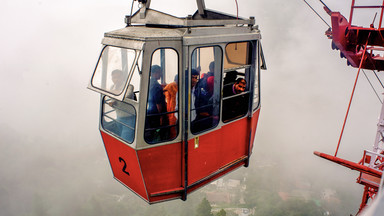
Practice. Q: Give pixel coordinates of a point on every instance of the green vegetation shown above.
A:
(222, 212)
(204, 208)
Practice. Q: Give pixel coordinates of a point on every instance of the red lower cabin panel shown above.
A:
(162, 171)
(125, 165)
(219, 148)
(255, 119)
(157, 174)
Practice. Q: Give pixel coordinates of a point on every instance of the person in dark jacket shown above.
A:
(155, 107)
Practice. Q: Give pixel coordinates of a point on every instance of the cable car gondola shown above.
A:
(180, 99)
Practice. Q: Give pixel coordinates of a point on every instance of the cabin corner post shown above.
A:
(185, 139)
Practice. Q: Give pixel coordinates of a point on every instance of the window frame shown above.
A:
(103, 114)
(259, 64)
(177, 125)
(248, 76)
(120, 96)
(190, 56)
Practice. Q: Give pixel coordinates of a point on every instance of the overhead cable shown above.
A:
(325, 5)
(317, 13)
(378, 79)
(372, 86)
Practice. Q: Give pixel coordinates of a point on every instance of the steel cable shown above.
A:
(317, 13)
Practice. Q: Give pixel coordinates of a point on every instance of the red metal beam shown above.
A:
(350, 164)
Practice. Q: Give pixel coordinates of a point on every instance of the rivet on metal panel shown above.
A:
(196, 142)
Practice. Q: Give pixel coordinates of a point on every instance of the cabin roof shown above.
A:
(147, 33)
(215, 27)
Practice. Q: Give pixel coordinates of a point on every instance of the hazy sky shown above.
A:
(50, 48)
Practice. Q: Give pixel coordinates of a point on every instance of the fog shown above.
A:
(51, 152)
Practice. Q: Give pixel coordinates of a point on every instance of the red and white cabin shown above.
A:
(167, 153)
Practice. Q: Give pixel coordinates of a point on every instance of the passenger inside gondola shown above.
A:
(118, 81)
(118, 84)
(194, 80)
(237, 88)
(156, 119)
(230, 77)
(123, 120)
(171, 95)
(202, 118)
(205, 104)
(235, 104)
(204, 91)
(162, 111)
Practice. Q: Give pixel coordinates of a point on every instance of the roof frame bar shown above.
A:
(201, 8)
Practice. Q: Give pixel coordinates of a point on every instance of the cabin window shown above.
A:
(236, 81)
(119, 118)
(206, 67)
(113, 69)
(161, 123)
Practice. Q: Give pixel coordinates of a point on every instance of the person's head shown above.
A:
(230, 77)
(240, 85)
(194, 77)
(156, 72)
(117, 76)
(212, 67)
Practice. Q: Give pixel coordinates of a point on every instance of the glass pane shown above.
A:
(162, 106)
(112, 70)
(119, 118)
(237, 63)
(237, 54)
(205, 88)
(235, 94)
